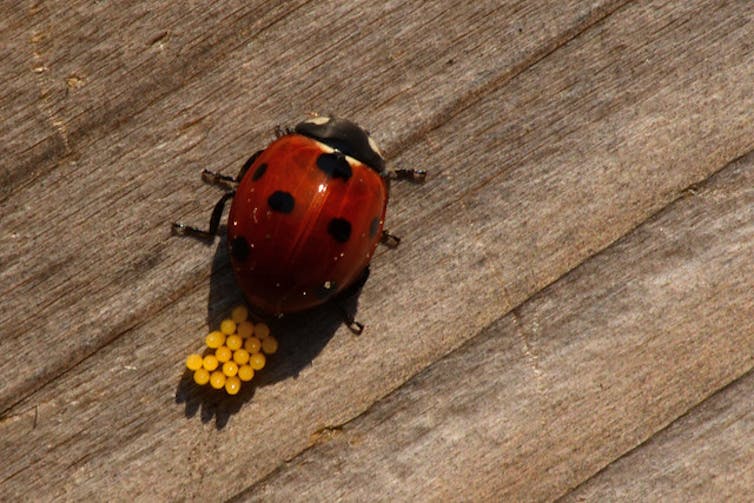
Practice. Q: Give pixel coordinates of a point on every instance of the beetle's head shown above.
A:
(345, 136)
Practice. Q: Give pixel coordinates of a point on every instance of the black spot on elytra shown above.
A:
(259, 172)
(281, 202)
(374, 226)
(340, 229)
(239, 248)
(334, 165)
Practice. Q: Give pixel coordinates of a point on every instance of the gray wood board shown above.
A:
(706, 455)
(570, 380)
(152, 110)
(547, 142)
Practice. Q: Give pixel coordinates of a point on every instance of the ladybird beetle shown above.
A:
(306, 216)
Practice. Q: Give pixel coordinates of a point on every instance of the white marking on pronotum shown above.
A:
(373, 146)
(318, 121)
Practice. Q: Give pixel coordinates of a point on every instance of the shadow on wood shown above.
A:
(301, 337)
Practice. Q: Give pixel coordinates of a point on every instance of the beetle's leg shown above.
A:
(282, 131)
(414, 175)
(354, 326)
(216, 178)
(341, 301)
(389, 240)
(220, 179)
(214, 221)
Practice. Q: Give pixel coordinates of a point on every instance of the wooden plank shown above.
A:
(706, 455)
(76, 72)
(578, 170)
(569, 381)
(136, 139)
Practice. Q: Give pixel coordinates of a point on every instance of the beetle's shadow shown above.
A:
(300, 337)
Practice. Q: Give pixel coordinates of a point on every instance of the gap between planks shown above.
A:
(436, 120)
(604, 479)
(322, 435)
(367, 438)
(681, 186)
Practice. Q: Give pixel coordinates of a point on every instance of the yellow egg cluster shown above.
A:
(233, 353)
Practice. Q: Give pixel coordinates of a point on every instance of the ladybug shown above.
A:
(306, 215)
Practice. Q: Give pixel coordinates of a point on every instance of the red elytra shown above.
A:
(306, 216)
(303, 224)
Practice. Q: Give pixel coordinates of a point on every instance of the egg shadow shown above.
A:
(301, 337)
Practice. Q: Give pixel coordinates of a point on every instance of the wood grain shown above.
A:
(585, 371)
(705, 455)
(138, 140)
(550, 132)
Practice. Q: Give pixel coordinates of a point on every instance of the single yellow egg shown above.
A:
(194, 362)
(232, 385)
(217, 379)
(215, 339)
(245, 373)
(201, 377)
(230, 369)
(245, 329)
(228, 327)
(239, 314)
(223, 354)
(234, 342)
(252, 345)
(261, 330)
(210, 362)
(256, 361)
(269, 345)
(241, 356)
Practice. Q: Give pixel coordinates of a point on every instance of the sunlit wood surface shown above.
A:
(570, 312)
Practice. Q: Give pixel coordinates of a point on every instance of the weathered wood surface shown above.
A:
(202, 95)
(541, 399)
(551, 132)
(706, 455)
